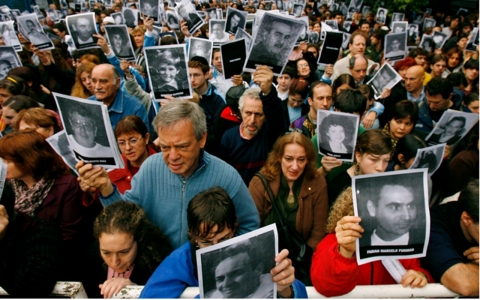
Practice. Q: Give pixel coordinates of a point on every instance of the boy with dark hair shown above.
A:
(211, 220)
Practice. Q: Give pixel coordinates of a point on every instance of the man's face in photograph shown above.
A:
(395, 212)
(84, 28)
(83, 129)
(278, 38)
(234, 21)
(234, 275)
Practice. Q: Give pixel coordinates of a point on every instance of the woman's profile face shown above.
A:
(45, 132)
(294, 161)
(167, 72)
(118, 250)
(12, 171)
(336, 134)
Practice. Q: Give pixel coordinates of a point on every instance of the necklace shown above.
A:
(290, 199)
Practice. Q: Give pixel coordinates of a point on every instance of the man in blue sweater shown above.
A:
(167, 181)
(247, 145)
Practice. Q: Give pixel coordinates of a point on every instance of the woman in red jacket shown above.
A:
(133, 140)
(335, 270)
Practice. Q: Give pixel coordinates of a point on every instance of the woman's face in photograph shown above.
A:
(336, 134)
(167, 72)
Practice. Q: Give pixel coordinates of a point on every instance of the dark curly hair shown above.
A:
(128, 217)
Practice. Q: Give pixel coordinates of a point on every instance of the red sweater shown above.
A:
(333, 274)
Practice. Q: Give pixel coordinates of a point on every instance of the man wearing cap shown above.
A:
(247, 145)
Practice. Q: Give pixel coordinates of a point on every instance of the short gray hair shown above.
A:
(252, 93)
(178, 110)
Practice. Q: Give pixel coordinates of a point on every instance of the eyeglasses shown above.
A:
(302, 66)
(132, 142)
(86, 126)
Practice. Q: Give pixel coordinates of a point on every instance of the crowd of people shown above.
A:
(239, 154)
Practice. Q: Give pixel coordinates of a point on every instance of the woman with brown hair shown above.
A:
(83, 87)
(45, 189)
(127, 250)
(301, 193)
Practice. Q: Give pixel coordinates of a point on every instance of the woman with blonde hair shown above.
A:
(83, 87)
(300, 192)
(335, 270)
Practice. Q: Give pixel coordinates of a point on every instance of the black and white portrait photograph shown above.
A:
(398, 17)
(217, 34)
(233, 57)
(242, 34)
(428, 22)
(365, 11)
(303, 36)
(395, 46)
(235, 19)
(130, 17)
(171, 3)
(332, 23)
(279, 4)
(118, 18)
(9, 36)
(52, 14)
(297, 10)
(427, 43)
(274, 42)
(313, 37)
(36, 10)
(334, 7)
(395, 217)
(8, 60)
(239, 267)
(212, 13)
(355, 5)
(172, 20)
(337, 133)
(186, 11)
(331, 47)
(413, 31)
(81, 28)
(30, 28)
(219, 14)
(429, 158)
(347, 24)
(418, 17)
(107, 3)
(346, 39)
(156, 30)
(59, 143)
(386, 77)
(168, 71)
(89, 131)
(452, 127)
(200, 47)
(120, 42)
(439, 38)
(149, 8)
(399, 26)
(381, 15)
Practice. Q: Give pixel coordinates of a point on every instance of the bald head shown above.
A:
(358, 67)
(414, 79)
(106, 81)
